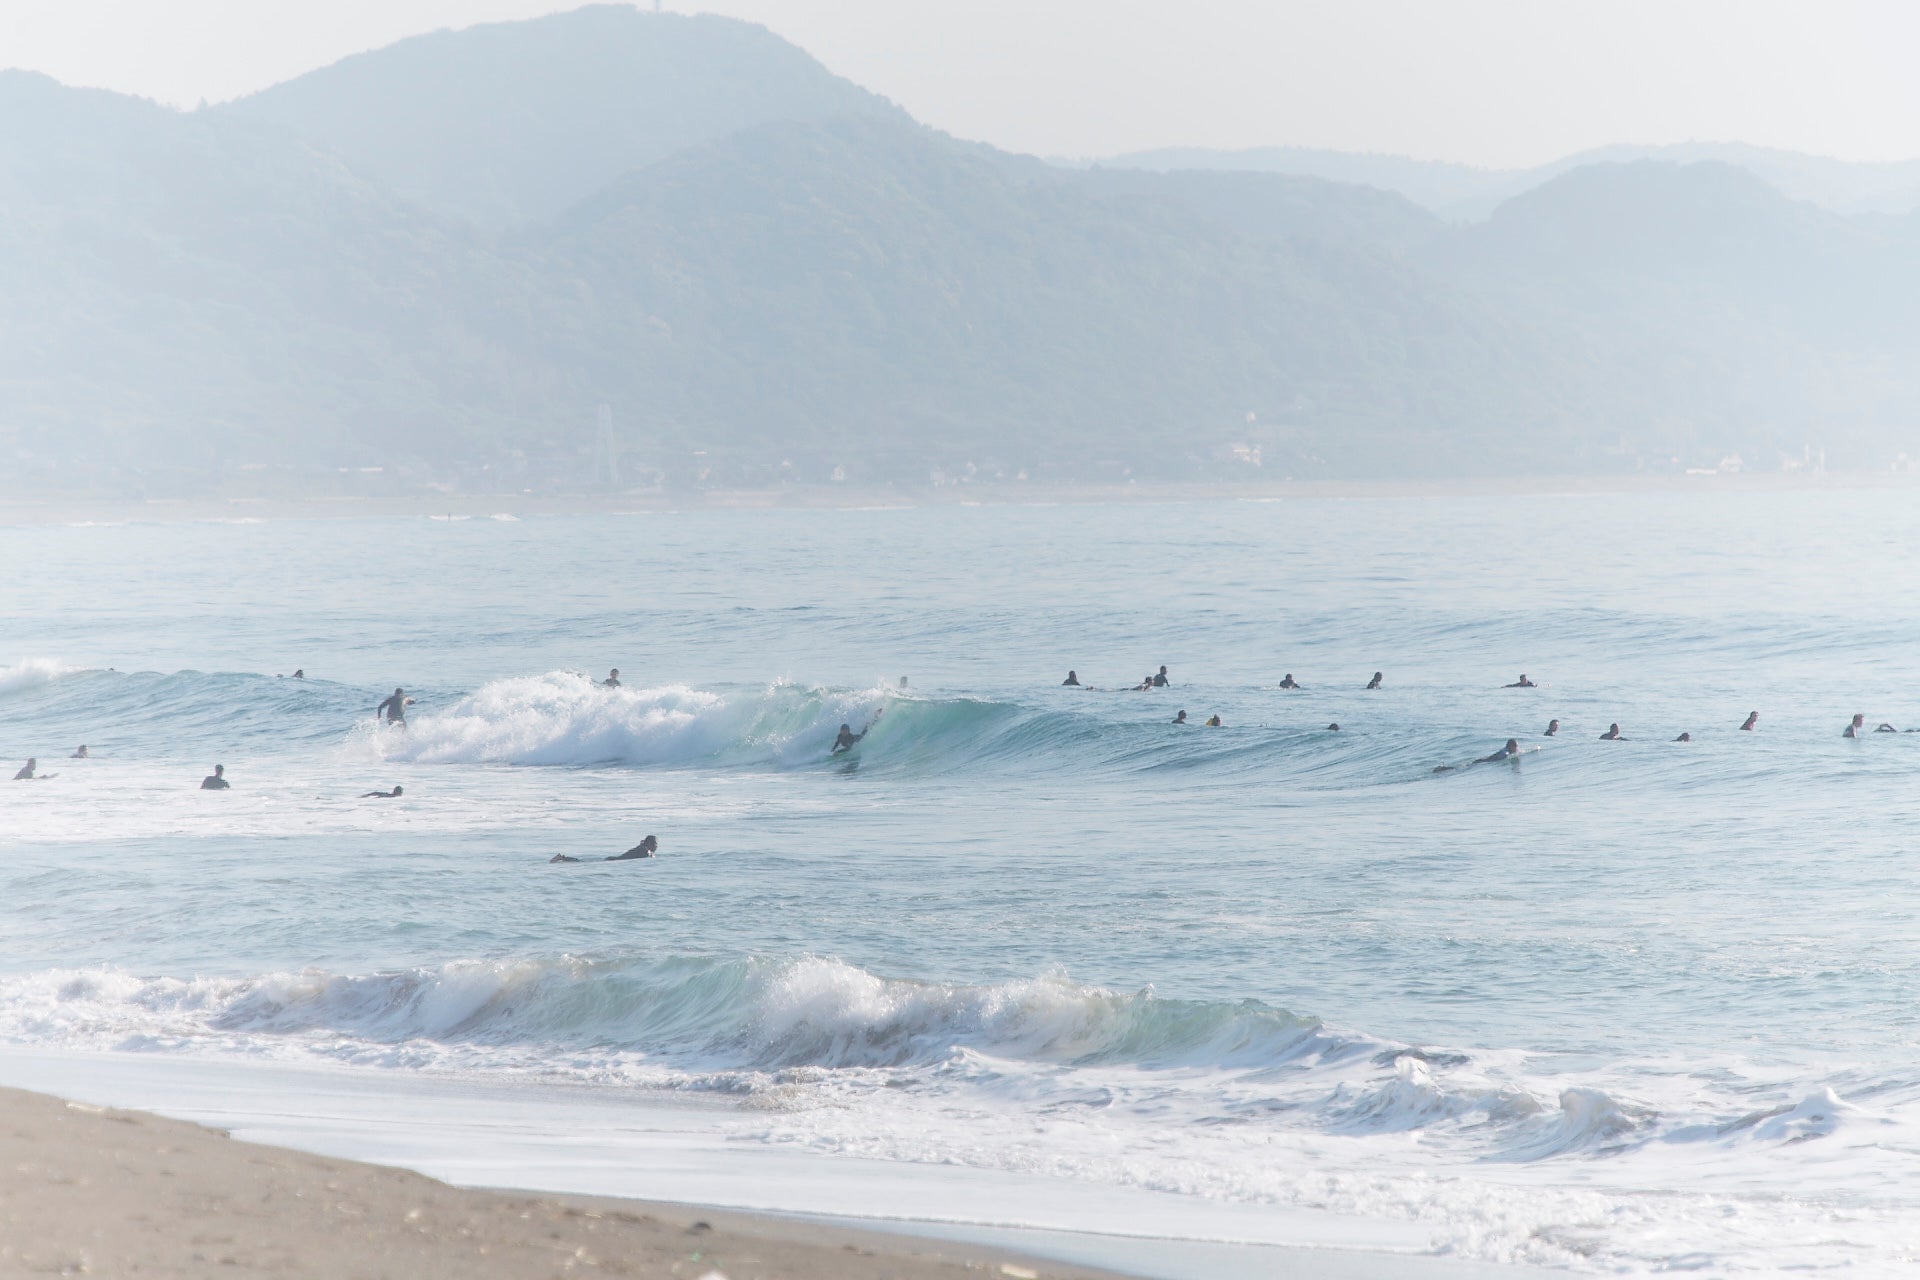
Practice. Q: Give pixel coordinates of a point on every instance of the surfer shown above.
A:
(1684, 737)
(1072, 681)
(217, 780)
(1181, 718)
(81, 754)
(26, 771)
(1508, 752)
(1159, 679)
(394, 708)
(645, 849)
(299, 673)
(1333, 728)
(848, 737)
(1859, 723)
(382, 795)
(1553, 727)
(1213, 722)
(1521, 683)
(1288, 682)
(613, 679)
(1612, 734)
(1753, 719)
(1375, 682)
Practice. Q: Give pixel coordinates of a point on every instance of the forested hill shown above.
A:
(614, 249)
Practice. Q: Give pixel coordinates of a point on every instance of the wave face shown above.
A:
(562, 718)
(748, 1025)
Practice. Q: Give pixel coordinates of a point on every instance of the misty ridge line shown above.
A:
(613, 250)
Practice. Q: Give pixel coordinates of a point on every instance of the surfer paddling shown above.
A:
(645, 849)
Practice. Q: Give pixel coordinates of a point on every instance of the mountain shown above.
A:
(1466, 193)
(511, 122)
(232, 301)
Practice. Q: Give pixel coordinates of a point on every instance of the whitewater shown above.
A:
(1618, 1007)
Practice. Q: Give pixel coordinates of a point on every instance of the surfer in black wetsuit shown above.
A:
(1288, 682)
(26, 771)
(1521, 683)
(1181, 718)
(217, 780)
(1753, 720)
(1859, 723)
(1333, 728)
(1159, 680)
(1612, 734)
(848, 737)
(645, 849)
(382, 795)
(81, 754)
(394, 708)
(1375, 682)
(299, 673)
(1072, 681)
(1553, 727)
(1684, 737)
(613, 679)
(1508, 752)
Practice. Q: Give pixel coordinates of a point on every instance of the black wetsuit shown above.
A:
(214, 782)
(394, 708)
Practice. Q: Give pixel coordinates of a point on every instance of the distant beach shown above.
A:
(481, 506)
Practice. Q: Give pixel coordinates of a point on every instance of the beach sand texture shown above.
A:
(94, 1191)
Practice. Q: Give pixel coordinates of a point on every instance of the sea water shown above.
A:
(1628, 1005)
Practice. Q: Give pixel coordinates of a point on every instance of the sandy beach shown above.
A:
(88, 1190)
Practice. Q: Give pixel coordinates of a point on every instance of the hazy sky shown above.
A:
(1494, 82)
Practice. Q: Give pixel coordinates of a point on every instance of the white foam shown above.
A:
(563, 718)
(31, 673)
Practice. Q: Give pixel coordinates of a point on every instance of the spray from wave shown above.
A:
(32, 673)
(562, 718)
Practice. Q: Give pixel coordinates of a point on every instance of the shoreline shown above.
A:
(93, 510)
(86, 1188)
(488, 1153)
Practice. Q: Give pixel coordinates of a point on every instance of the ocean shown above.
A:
(1610, 1006)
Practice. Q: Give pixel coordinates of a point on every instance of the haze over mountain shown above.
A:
(611, 248)
(1466, 193)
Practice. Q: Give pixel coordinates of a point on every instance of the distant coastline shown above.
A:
(83, 510)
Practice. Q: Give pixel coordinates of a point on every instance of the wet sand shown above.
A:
(88, 1190)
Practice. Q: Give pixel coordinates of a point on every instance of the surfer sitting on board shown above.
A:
(217, 780)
